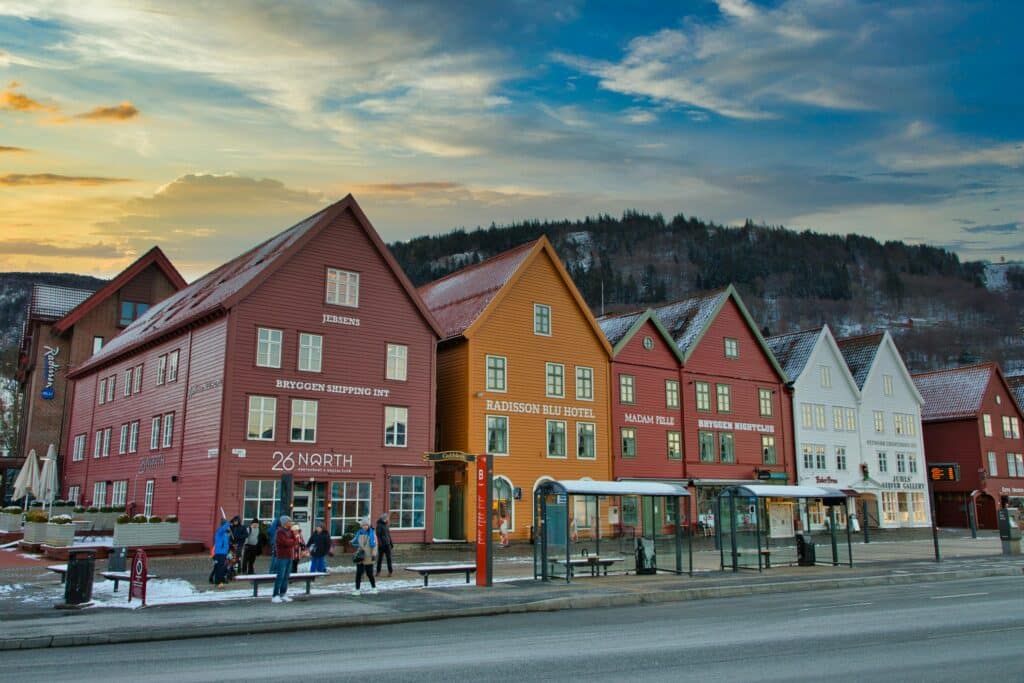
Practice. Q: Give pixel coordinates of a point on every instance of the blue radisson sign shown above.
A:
(50, 368)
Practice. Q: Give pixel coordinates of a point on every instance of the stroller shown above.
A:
(232, 566)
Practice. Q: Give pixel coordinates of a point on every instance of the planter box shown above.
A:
(60, 534)
(130, 535)
(10, 524)
(101, 521)
(35, 532)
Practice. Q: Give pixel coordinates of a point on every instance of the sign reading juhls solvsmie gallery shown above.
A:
(50, 368)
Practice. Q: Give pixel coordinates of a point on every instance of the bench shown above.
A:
(425, 570)
(118, 577)
(257, 579)
(594, 562)
(61, 569)
(764, 559)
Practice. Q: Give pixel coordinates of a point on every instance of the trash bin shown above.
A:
(78, 583)
(805, 554)
(646, 563)
(117, 561)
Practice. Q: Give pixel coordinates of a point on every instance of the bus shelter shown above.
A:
(763, 525)
(592, 527)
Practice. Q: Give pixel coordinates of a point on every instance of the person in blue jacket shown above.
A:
(272, 535)
(221, 545)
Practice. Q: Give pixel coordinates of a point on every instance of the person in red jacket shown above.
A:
(285, 544)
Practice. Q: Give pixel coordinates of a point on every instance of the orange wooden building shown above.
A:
(522, 374)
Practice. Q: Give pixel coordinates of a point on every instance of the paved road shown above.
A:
(951, 631)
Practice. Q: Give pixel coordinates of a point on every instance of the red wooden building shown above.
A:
(972, 418)
(310, 355)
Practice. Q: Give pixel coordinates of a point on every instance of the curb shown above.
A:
(152, 634)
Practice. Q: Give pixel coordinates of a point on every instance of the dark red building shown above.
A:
(972, 418)
(310, 355)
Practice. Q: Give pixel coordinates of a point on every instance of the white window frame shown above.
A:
(887, 385)
(820, 458)
(103, 391)
(496, 373)
(154, 432)
(542, 317)
(147, 505)
(732, 348)
(122, 443)
(397, 367)
(99, 493)
(406, 485)
(1007, 431)
(133, 436)
(837, 418)
(901, 463)
(137, 379)
(399, 416)
(672, 394)
(807, 451)
(342, 515)
(879, 418)
(97, 344)
(490, 423)
(303, 412)
(993, 466)
(168, 430)
(161, 369)
(723, 399)
(127, 391)
(311, 352)
(851, 419)
(78, 451)
(342, 282)
(554, 380)
(883, 461)
(584, 383)
(106, 442)
(986, 424)
(820, 421)
(268, 347)
(841, 458)
(806, 416)
(917, 502)
(97, 445)
(826, 376)
(890, 506)
(111, 388)
(119, 493)
(582, 427)
(627, 389)
(548, 436)
(261, 410)
(74, 493)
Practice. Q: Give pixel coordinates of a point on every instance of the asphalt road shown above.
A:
(950, 631)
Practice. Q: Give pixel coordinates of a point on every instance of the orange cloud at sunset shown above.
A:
(23, 179)
(120, 112)
(13, 101)
(4, 149)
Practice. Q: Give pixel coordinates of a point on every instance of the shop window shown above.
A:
(497, 435)
(671, 393)
(703, 391)
(311, 349)
(542, 319)
(732, 348)
(675, 445)
(584, 383)
(724, 393)
(262, 418)
(627, 389)
(628, 438)
(764, 402)
(303, 423)
(168, 429)
(99, 494)
(917, 500)
(584, 512)
(554, 374)
(350, 502)
(398, 362)
(556, 438)
(586, 440)
(768, 456)
(408, 502)
(342, 288)
(904, 503)
(260, 500)
(816, 513)
(890, 507)
(130, 311)
(706, 442)
(147, 505)
(396, 426)
(726, 447)
(496, 366)
(268, 348)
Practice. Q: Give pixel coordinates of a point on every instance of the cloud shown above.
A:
(31, 179)
(12, 101)
(935, 154)
(120, 112)
(4, 149)
(31, 247)
(996, 229)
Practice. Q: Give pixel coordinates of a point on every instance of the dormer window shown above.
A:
(130, 311)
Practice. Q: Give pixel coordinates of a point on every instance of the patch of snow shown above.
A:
(10, 588)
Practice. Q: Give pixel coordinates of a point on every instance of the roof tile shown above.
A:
(686, 319)
(859, 354)
(955, 393)
(794, 349)
(52, 302)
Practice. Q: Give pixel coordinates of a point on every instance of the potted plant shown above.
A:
(10, 519)
(60, 531)
(142, 530)
(35, 526)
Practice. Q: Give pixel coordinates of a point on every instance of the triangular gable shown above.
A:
(859, 354)
(829, 339)
(793, 350)
(153, 257)
(641, 318)
(888, 343)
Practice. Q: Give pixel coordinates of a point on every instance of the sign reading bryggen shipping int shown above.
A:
(50, 368)
(322, 388)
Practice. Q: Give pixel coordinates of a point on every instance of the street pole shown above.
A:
(864, 520)
(971, 519)
(935, 529)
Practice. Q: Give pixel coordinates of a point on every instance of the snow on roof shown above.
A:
(955, 393)
(586, 487)
(859, 354)
(794, 349)
(788, 491)
(1016, 383)
(52, 302)
(458, 299)
(616, 326)
(685, 320)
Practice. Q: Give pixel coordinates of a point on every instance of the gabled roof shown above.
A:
(794, 349)
(1016, 384)
(688, 320)
(462, 300)
(859, 354)
(226, 286)
(957, 393)
(51, 302)
(153, 257)
(621, 328)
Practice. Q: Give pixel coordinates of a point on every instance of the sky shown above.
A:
(207, 127)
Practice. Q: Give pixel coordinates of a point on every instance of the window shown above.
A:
(917, 500)
(628, 436)
(768, 456)
(911, 463)
(904, 507)
(497, 434)
(851, 419)
(73, 494)
(161, 369)
(897, 424)
(901, 463)
(262, 418)
(342, 288)
(819, 417)
(808, 457)
(496, 373)
(1020, 464)
(122, 443)
(671, 393)
(675, 445)
(890, 506)
(97, 444)
(168, 429)
(586, 440)
(106, 442)
(542, 319)
(726, 447)
(97, 344)
(584, 383)
(133, 437)
(311, 348)
(268, 348)
(627, 389)
(137, 379)
(396, 426)
(119, 493)
(883, 462)
(103, 391)
(78, 452)
(502, 492)
(887, 385)
(1014, 465)
(819, 458)
(986, 423)
(703, 390)
(111, 381)
(99, 493)
(764, 402)
(911, 424)
(841, 458)
(993, 467)
(408, 502)
(147, 505)
(1015, 427)
(556, 438)
(398, 362)
(154, 434)
(260, 499)
(806, 416)
(128, 381)
(172, 366)
(724, 393)
(879, 422)
(350, 501)
(1007, 432)
(706, 441)
(732, 348)
(555, 380)
(304, 420)
(826, 376)
(130, 310)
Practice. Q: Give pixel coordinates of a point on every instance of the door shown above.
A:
(302, 508)
(442, 512)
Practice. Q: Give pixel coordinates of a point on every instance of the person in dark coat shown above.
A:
(252, 547)
(319, 545)
(384, 544)
(239, 533)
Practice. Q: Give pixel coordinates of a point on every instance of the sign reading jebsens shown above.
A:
(50, 368)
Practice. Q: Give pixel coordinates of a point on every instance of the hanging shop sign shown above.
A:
(448, 456)
(730, 426)
(307, 462)
(640, 419)
(321, 388)
(50, 368)
(539, 409)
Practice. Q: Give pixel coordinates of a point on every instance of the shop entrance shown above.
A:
(449, 500)
(986, 509)
(308, 505)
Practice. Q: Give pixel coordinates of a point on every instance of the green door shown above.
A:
(441, 512)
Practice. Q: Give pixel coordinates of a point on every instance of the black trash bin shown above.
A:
(78, 584)
(117, 561)
(805, 554)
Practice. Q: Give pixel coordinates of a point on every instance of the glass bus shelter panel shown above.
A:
(830, 540)
(556, 533)
(747, 520)
(672, 539)
(782, 522)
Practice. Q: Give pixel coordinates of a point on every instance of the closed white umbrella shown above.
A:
(28, 478)
(47, 486)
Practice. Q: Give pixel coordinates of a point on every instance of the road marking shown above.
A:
(849, 604)
(957, 595)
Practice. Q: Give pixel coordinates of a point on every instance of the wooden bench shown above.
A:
(594, 562)
(257, 579)
(61, 569)
(425, 570)
(118, 577)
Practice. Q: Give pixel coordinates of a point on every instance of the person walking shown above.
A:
(365, 542)
(251, 547)
(284, 548)
(384, 544)
(221, 545)
(319, 545)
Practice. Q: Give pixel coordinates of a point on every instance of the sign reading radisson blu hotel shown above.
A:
(50, 368)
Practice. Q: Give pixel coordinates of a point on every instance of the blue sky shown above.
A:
(206, 127)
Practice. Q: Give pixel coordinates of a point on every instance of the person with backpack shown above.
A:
(365, 543)
(221, 545)
(319, 546)
(384, 543)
